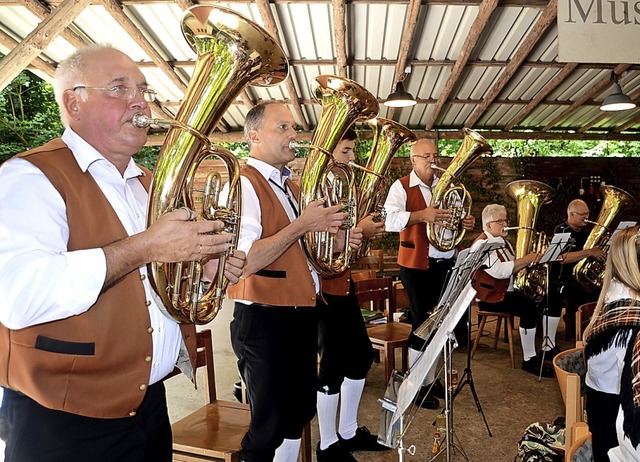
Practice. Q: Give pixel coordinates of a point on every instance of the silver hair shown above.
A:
(491, 211)
(71, 72)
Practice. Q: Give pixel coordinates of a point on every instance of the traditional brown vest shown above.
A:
(337, 285)
(489, 289)
(95, 364)
(287, 281)
(414, 245)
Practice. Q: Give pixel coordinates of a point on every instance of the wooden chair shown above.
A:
(482, 320)
(215, 431)
(385, 338)
(359, 275)
(581, 450)
(374, 260)
(570, 371)
(583, 316)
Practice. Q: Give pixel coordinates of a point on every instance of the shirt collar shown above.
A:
(86, 154)
(414, 180)
(269, 171)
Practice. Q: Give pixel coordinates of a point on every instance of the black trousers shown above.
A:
(423, 288)
(277, 351)
(343, 344)
(602, 411)
(34, 433)
(516, 304)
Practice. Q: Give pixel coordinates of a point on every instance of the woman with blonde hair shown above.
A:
(613, 342)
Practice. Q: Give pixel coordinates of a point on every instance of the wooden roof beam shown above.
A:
(272, 28)
(117, 12)
(547, 17)
(42, 11)
(38, 40)
(408, 34)
(628, 125)
(542, 94)
(340, 32)
(38, 63)
(484, 14)
(595, 90)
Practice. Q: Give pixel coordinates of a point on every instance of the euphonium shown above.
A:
(455, 198)
(343, 102)
(589, 272)
(388, 137)
(233, 52)
(530, 195)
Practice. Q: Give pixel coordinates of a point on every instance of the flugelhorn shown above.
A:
(343, 103)
(530, 196)
(589, 272)
(388, 137)
(233, 52)
(455, 198)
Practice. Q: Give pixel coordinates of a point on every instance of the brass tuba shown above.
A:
(343, 103)
(455, 198)
(233, 52)
(589, 272)
(530, 195)
(388, 137)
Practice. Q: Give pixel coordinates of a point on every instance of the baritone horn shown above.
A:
(233, 52)
(530, 196)
(589, 272)
(388, 137)
(455, 198)
(343, 103)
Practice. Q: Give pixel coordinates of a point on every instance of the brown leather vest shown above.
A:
(414, 245)
(489, 289)
(95, 364)
(287, 281)
(337, 285)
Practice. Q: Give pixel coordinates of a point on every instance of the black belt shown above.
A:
(435, 261)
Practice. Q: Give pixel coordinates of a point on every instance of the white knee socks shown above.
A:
(288, 451)
(327, 411)
(350, 395)
(528, 341)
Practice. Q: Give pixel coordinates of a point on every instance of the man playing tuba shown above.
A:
(423, 268)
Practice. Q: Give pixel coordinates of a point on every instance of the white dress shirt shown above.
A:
(495, 266)
(251, 222)
(395, 207)
(605, 369)
(40, 280)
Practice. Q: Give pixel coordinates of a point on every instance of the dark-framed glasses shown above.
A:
(123, 92)
(502, 221)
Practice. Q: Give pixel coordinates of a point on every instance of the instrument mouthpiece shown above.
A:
(140, 120)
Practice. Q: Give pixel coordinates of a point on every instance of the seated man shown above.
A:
(500, 267)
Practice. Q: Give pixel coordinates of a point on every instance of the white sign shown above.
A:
(599, 31)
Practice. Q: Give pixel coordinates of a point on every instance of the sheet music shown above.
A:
(621, 226)
(556, 247)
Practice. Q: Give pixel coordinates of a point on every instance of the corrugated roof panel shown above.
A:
(453, 23)
(577, 84)
(164, 22)
(375, 33)
(526, 83)
(478, 82)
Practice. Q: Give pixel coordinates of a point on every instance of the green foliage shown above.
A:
(29, 116)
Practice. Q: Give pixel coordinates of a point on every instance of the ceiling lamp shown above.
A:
(401, 97)
(616, 101)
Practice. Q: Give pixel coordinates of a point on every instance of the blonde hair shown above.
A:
(622, 265)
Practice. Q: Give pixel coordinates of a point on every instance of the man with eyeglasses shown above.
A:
(494, 285)
(423, 268)
(564, 290)
(85, 339)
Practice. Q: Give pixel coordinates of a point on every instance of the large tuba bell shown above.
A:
(388, 137)
(589, 272)
(233, 52)
(455, 198)
(530, 195)
(343, 103)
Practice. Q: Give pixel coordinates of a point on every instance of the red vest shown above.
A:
(337, 285)
(95, 364)
(489, 289)
(287, 281)
(414, 245)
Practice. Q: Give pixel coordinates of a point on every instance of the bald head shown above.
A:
(577, 214)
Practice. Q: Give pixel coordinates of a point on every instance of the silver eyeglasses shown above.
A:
(123, 92)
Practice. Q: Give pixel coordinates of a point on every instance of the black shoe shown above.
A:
(237, 391)
(334, 453)
(427, 401)
(533, 367)
(437, 389)
(363, 440)
(550, 354)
